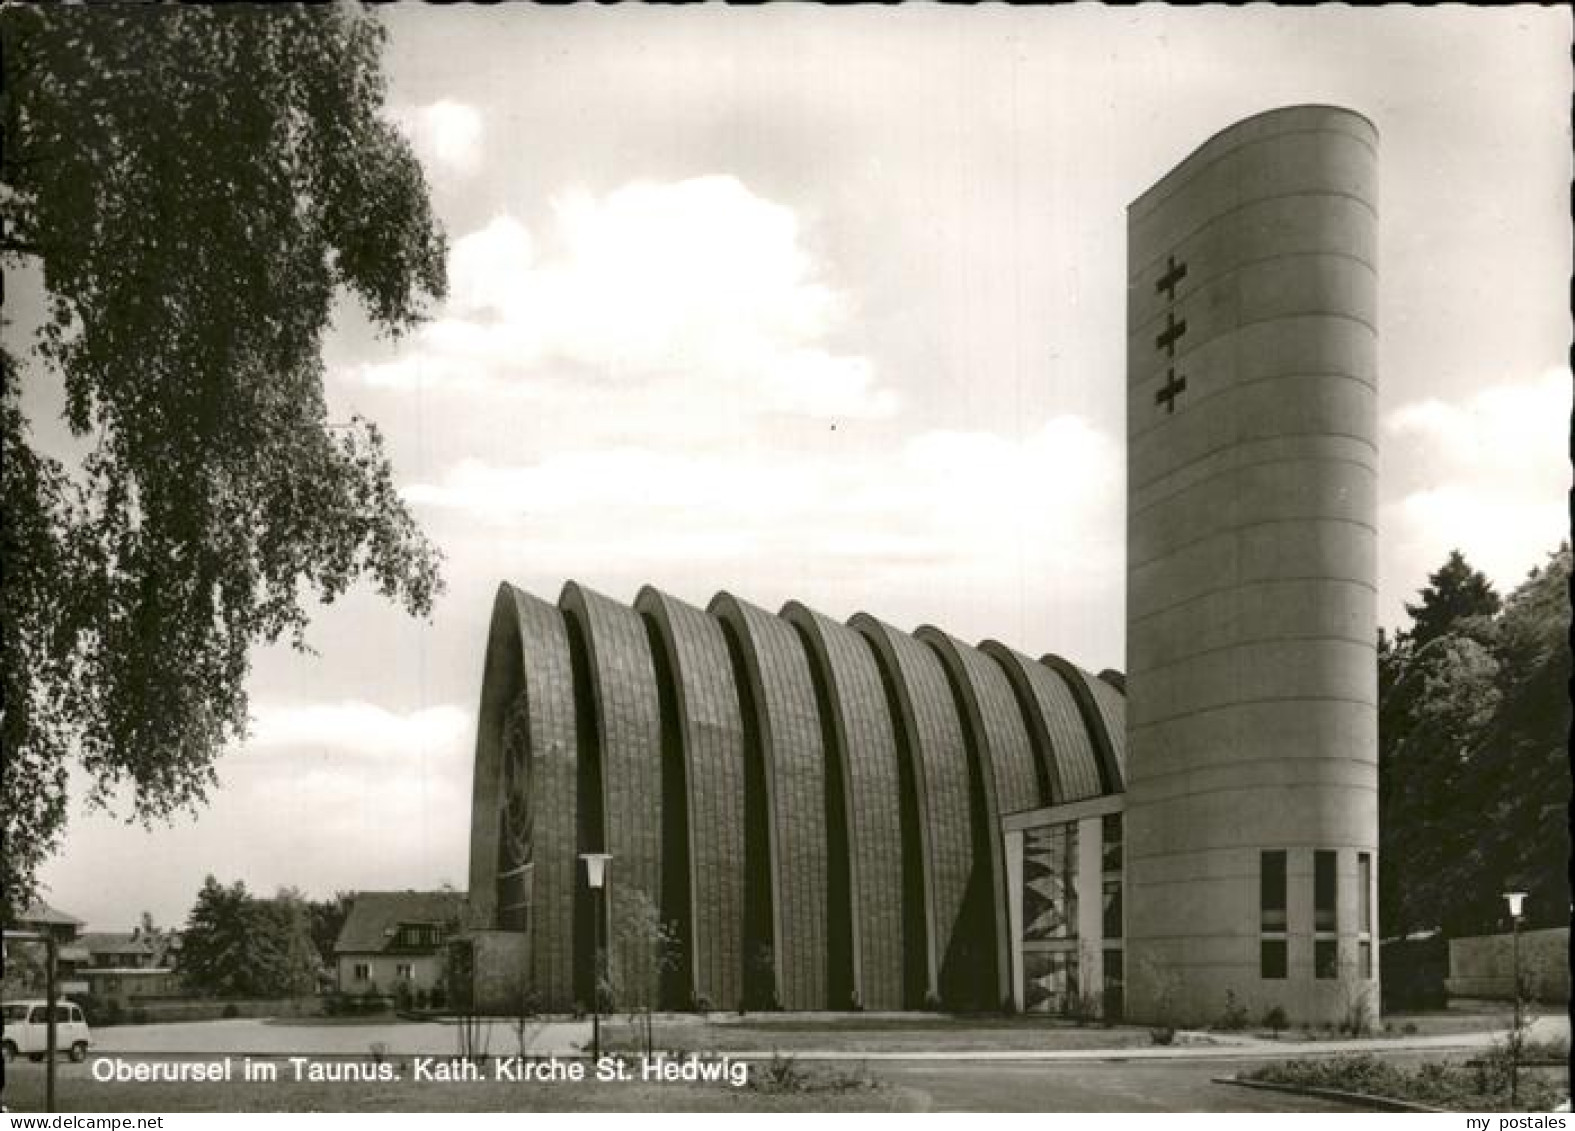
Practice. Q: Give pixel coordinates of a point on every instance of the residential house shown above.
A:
(394, 938)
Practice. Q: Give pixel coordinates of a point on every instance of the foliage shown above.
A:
(326, 917)
(651, 951)
(1479, 1086)
(237, 945)
(1235, 1017)
(192, 188)
(1275, 1020)
(1473, 771)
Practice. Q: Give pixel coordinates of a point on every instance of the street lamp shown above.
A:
(596, 880)
(1516, 900)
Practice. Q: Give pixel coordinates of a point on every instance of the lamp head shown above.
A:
(1516, 900)
(596, 868)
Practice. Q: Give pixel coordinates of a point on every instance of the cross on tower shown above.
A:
(1167, 337)
(1174, 273)
(1170, 390)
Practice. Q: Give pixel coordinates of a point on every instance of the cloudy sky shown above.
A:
(829, 304)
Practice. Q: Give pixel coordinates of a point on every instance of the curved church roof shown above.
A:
(815, 806)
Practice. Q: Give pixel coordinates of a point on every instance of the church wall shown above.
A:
(863, 745)
(931, 737)
(1252, 565)
(627, 741)
(528, 655)
(710, 732)
(1008, 777)
(787, 741)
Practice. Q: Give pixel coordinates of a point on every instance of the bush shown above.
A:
(700, 1004)
(1163, 1035)
(1234, 1019)
(1275, 1021)
(231, 1010)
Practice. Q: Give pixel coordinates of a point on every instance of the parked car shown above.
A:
(26, 1030)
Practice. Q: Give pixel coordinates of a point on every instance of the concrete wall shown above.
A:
(707, 740)
(1251, 568)
(786, 736)
(861, 745)
(1483, 966)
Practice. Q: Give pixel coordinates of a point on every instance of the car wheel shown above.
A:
(36, 1057)
(79, 1052)
(10, 1052)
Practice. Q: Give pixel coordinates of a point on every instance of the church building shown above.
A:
(804, 814)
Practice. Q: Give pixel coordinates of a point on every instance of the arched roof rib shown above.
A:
(626, 717)
(777, 680)
(931, 735)
(1068, 751)
(863, 745)
(528, 666)
(1103, 709)
(1007, 776)
(709, 727)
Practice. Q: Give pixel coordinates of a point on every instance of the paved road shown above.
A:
(1171, 1085)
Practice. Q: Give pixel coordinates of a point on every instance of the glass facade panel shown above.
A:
(1110, 836)
(1050, 882)
(1112, 916)
(1115, 985)
(1049, 981)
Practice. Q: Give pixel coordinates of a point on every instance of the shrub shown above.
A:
(932, 1002)
(701, 1004)
(421, 997)
(1162, 1034)
(1234, 1019)
(231, 1010)
(779, 1074)
(1275, 1021)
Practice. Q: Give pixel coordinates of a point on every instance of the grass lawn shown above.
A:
(869, 1035)
(77, 1091)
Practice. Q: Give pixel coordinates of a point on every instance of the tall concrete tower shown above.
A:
(1251, 469)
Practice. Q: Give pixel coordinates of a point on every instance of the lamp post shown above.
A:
(596, 880)
(1516, 900)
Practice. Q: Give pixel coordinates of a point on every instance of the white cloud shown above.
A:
(944, 504)
(446, 134)
(358, 728)
(1490, 475)
(699, 280)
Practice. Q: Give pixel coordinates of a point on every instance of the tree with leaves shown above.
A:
(237, 945)
(192, 188)
(1473, 752)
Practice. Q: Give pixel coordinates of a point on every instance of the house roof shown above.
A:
(375, 917)
(40, 912)
(114, 942)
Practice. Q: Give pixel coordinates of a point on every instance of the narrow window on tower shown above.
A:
(1271, 914)
(1323, 890)
(1272, 892)
(1364, 922)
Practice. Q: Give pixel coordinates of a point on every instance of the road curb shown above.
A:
(1356, 1099)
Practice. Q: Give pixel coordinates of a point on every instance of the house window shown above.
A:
(1271, 958)
(1323, 891)
(363, 971)
(402, 970)
(1326, 958)
(1271, 892)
